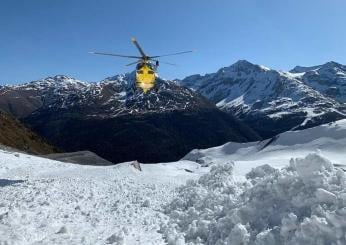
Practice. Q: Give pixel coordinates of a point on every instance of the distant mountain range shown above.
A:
(273, 101)
(242, 102)
(118, 122)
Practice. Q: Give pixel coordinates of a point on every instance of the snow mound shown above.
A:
(303, 203)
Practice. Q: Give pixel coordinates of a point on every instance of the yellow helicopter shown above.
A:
(146, 68)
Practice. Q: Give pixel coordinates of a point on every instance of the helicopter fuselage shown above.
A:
(146, 76)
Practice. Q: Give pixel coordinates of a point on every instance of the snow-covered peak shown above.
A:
(59, 78)
(121, 82)
(331, 65)
(303, 69)
(330, 68)
(329, 79)
(112, 96)
(62, 80)
(241, 68)
(244, 65)
(120, 78)
(251, 82)
(58, 82)
(254, 93)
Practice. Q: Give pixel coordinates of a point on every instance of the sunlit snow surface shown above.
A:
(49, 202)
(327, 140)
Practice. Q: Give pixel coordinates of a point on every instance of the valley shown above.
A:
(112, 118)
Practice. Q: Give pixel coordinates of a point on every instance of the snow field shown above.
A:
(48, 202)
(303, 203)
(249, 194)
(328, 141)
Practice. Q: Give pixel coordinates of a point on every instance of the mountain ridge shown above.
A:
(270, 101)
(114, 119)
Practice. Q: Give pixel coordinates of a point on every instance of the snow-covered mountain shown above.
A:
(109, 98)
(21, 100)
(273, 101)
(329, 79)
(269, 101)
(117, 121)
(280, 201)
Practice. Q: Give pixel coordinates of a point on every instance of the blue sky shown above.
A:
(39, 38)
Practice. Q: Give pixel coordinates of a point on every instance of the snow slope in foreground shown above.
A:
(49, 202)
(327, 140)
(302, 202)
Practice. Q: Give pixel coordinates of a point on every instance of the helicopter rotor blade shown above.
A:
(134, 41)
(117, 55)
(167, 63)
(164, 62)
(184, 52)
(132, 63)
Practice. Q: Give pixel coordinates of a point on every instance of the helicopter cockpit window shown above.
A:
(140, 72)
(139, 66)
(150, 72)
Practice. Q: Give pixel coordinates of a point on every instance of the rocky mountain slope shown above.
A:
(120, 123)
(14, 134)
(329, 79)
(272, 101)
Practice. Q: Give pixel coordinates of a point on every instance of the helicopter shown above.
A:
(146, 66)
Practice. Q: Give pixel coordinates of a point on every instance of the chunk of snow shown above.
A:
(294, 205)
(117, 239)
(146, 203)
(325, 196)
